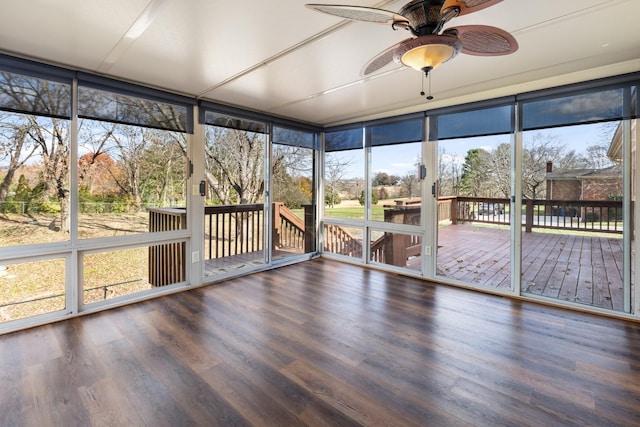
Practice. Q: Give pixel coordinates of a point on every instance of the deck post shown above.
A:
(277, 226)
(528, 215)
(454, 210)
(309, 229)
(395, 248)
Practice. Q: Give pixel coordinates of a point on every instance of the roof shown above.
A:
(612, 172)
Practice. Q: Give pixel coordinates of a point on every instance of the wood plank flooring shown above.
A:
(324, 343)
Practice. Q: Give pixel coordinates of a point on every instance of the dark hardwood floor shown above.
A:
(324, 343)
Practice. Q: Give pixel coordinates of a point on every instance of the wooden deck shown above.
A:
(580, 267)
(575, 267)
(248, 259)
(324, 343)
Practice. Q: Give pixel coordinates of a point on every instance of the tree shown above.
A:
(374, 198)
(163, 169)
(235, 165)
(476, 173)
(501, 167)
(23, 193)
(292, 170)
(52, 139)
(15, 149)
(94, 173)
(127, 147)
(410, 183)
(537, 151)
(331, 199)
(597, 158)
(449, 172)
(383, 178)
(48, 136)
(382, 194)
(335, 170)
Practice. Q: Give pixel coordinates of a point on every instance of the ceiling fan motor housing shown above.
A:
(424, 16)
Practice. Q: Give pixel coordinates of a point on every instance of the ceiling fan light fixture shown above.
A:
(427, 52)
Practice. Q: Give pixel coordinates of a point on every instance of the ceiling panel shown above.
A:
(76, 33)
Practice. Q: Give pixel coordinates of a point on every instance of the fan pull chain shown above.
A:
(422, 77)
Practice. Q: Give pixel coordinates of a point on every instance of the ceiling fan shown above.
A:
(430, 44)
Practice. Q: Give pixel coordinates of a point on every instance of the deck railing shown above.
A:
(229, 230)
(233, 230)
(390, 248)
(289, 228)
(239, 229)
(167, 262)
(577, 215)
(338, 240)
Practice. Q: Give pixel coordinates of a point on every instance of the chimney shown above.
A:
(549, 166)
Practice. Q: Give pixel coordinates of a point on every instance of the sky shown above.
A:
(401, 159)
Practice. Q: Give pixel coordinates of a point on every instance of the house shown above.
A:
(212, 113)
(584, 184)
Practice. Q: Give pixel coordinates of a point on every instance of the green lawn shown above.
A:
(355, 212)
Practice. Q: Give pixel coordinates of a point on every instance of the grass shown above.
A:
(355, 212)
(36, 286)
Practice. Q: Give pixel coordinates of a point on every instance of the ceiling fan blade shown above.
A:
(468, 6)
(484, 40)
(380, 60)
(360, 13)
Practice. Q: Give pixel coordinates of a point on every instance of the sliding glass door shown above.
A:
(293, 207)
(473, 195)
(578, 179)
(234, 189)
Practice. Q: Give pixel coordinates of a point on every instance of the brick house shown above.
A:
(584, 184)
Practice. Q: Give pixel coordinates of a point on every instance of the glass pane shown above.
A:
(293, 208)
(489, 121)
(124, 174)
(295, 138)
(234, 211)
(28, 94)
(572, 214)
(350, 139)
(569, 110)
(396, 133)
(395, 184)
(474, 186)
(112, 274)
(224, 120)
(31, 288)
(397, 249)
(341, 240)
(118, 108)
(34, 179)
(344, 184)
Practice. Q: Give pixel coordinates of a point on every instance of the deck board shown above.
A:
(578, 267)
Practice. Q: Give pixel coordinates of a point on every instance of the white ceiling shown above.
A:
(282, 58)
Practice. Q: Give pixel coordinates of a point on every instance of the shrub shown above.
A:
(374, 198)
